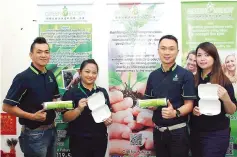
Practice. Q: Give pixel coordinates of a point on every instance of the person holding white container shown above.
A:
(87, 136)
(210, 132)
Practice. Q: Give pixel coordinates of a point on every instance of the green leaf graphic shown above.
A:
(58, 71)
(51, 66)
(59, 80)
(114, 79)
(142, 77)
(84, 47)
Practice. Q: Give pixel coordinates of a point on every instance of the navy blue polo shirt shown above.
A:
(29, 90)
(84, 125)
(212, 123)
(177, 85)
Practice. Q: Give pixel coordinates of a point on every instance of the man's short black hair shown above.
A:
(171, 37)
(38, 40)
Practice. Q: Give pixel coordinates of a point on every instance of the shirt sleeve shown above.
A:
(56, 91)
(16, 91)
(189, 87)
(107, 98)
(231, 92)
(149, 89)
(68, 96)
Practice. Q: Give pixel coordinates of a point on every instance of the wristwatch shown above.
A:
(178, 114)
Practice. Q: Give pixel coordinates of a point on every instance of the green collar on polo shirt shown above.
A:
(37, 71)
(172, 68)
(81, 88)
(207, 76)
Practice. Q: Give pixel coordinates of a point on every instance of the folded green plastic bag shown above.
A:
(152, 102)
(58, 105)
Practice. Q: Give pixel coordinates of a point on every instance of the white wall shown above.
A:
(19, 31)
(15, 46)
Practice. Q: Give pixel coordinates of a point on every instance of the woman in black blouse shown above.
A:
(210, 134)
(87, 138)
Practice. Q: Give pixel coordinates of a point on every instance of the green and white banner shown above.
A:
(68, 30)
(209, 21)
(135, 30)
(214, 22)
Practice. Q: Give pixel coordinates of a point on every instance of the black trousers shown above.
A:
(88, 146)
(210, 144)
(174, 143)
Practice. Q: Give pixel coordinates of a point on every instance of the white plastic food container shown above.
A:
(100, 110)
(209, 103)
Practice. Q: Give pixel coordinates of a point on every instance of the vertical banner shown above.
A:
(214, 22)
(68, 30)
(135, 29)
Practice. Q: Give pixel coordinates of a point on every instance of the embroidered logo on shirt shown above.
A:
(50, 79)
(176, 78)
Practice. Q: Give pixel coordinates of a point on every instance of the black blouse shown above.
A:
(212, 123)
(84, 125)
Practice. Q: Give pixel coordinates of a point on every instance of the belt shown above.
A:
(172, 127)
(40, 128)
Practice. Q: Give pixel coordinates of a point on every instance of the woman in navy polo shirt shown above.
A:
(87, 138)
(210, 134)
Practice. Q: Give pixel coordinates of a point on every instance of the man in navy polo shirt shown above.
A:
(176, 84)
(28, 91)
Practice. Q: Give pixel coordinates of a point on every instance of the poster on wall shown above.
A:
(134, 33)
(214, 22)
(68, 30)
(8, 124)
(9, 139)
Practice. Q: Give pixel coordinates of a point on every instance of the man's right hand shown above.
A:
(39, 116)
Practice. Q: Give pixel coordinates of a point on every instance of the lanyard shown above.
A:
(83, 91)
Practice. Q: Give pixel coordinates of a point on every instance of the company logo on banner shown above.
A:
(210, 11)
(64, 14)
(135, 15)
